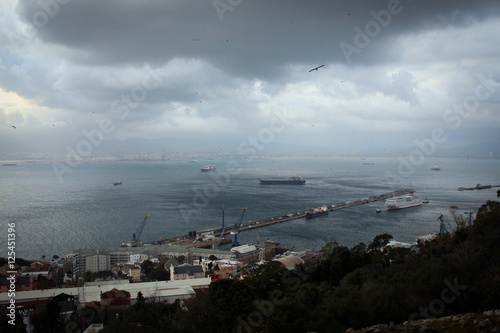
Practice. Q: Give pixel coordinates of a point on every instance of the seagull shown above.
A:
(316, 68)
(14, 127)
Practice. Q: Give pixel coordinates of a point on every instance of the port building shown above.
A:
(105, 259)
(165, 291)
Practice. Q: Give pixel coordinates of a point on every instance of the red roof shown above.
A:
(119, 302)
(112, 293)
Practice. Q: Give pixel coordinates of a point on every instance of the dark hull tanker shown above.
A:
(289, 181)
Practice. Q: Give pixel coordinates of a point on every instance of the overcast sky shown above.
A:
(234, 75)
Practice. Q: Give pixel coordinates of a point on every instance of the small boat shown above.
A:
(378, 210)
(436, 168)
(207, 168)
(425, 201)
(118, 182)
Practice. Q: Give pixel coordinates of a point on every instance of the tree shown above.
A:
(147, 266)
(262, 278)
(379, 241)
(158, 274)
(231, 299)
(327, 249)
(48, 320)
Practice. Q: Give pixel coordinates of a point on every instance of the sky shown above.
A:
(97, 77)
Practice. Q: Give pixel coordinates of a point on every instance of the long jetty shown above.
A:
(182, 240)
(301, 214)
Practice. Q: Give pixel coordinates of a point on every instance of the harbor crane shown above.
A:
(136, 236)
(218, 239)
(237, 226)
(470, 212)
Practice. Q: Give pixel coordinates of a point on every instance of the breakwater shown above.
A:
(205, 238)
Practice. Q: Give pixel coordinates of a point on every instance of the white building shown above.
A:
(165, 291)
(97, 262)
(138, 257)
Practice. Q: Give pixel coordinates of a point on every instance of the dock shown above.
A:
(216, 232)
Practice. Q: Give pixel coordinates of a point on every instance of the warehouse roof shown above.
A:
(290, 261)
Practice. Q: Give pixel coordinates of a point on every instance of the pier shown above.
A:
(216, 232)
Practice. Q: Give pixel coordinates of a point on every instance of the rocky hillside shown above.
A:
(488, 322)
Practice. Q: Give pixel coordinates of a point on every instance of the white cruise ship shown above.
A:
(405, 201)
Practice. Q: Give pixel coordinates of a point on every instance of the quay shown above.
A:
(216, 232)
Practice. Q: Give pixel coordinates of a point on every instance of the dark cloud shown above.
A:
(391, 68)
(255, 38)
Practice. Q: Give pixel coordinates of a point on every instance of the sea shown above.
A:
(57, 211)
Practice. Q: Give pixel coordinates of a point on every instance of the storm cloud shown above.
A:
(198, 75)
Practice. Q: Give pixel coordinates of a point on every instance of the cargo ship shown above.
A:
(315, 212)
(290, 181)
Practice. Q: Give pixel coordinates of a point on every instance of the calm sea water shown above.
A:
(85, 210)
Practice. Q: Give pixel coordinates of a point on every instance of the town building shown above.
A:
(97, 263)
(131, 270)
(164, 291)
(227, 269)
(184, 272)
(115, 298)
(22, 283)
(138, 257)
(248, 252)
(162, 252)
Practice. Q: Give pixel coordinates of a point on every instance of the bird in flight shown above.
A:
(316, 68)
(14, 127)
